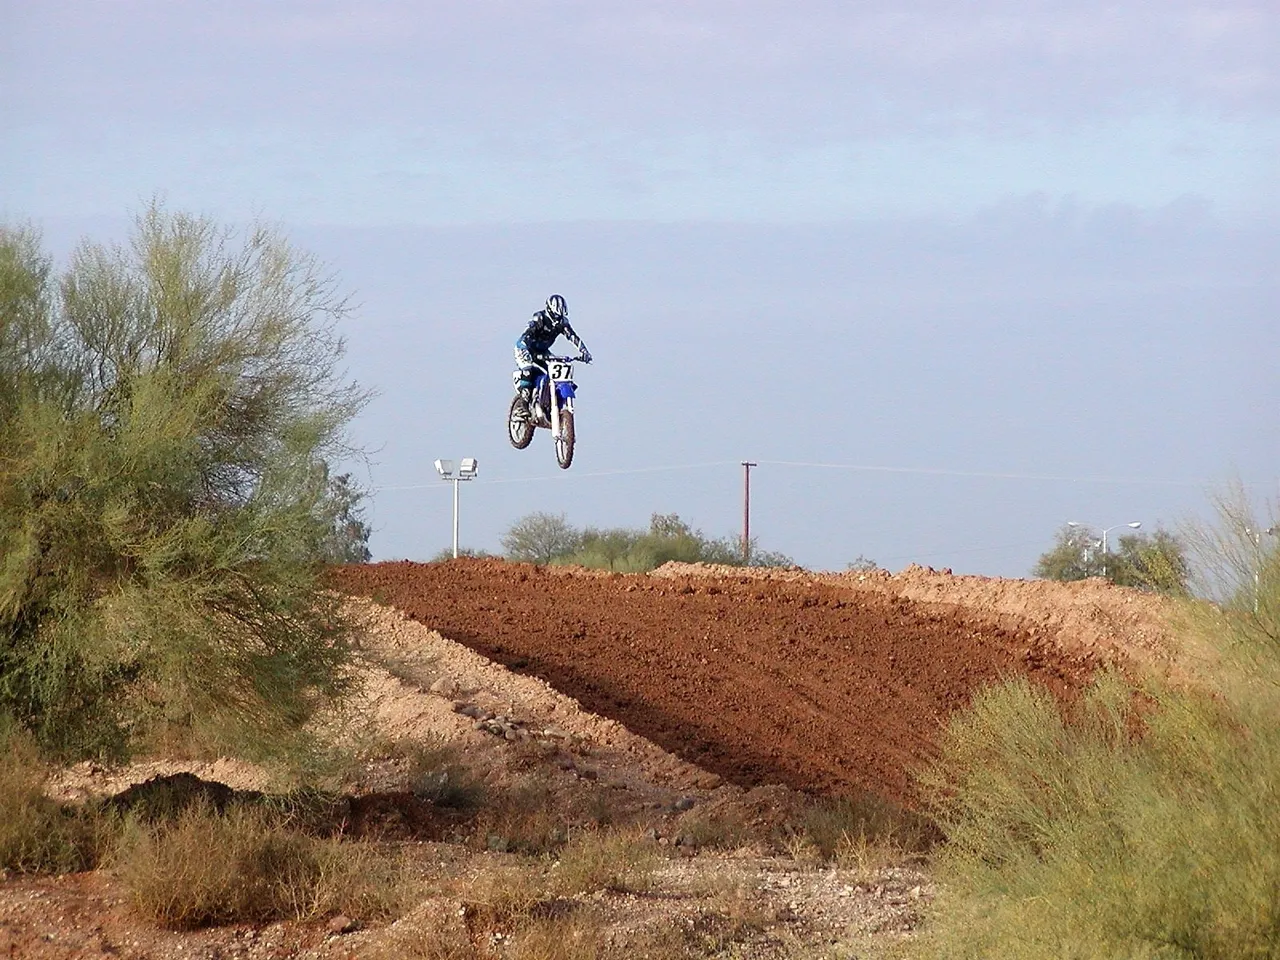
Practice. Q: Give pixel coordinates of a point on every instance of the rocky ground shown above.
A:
(703, 705)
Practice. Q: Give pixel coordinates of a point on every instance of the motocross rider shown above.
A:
(535, 344)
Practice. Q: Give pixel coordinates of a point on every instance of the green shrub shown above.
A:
(1145, 823)
(167, 413)
(1153, 833)
(546, 538)
(245, 867)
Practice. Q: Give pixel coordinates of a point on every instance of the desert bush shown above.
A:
(524, 906)
(167, 413)
(734, 915)
(1114, 834)
(37, 833)
(506, 897)
(445, 554)
(243, 866)
(1143, 824)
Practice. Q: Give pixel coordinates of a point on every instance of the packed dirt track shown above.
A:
(824, 683)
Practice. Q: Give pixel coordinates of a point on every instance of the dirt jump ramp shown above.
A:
(801, 681)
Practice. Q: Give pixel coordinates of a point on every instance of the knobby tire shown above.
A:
(564, 442)
(519, 429)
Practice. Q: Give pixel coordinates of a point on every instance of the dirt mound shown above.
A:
(795, 680)
(1118, 625)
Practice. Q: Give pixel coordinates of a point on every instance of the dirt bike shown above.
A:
(551, 407)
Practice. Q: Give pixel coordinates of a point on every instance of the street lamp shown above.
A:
(466, 471)
(1134, 524)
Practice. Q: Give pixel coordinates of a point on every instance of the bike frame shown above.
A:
(561, 394)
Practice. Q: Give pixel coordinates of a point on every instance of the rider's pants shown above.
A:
(525, 372)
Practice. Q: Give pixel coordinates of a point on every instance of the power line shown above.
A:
(553, 476)
(981, 474)
(863, 468)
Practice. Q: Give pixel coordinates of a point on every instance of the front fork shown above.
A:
(559, 401)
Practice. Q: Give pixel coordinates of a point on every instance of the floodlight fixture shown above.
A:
(1256, 536)
(1134, 524)
(466, 471)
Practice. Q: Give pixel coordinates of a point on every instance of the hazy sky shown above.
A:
(1014, 262)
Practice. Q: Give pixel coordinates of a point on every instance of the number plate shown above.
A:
(559, 370)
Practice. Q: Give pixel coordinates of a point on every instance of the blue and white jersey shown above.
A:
(542, 331)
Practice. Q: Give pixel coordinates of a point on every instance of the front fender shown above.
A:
(566, 390)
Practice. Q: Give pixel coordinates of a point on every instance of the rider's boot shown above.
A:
(525, 406)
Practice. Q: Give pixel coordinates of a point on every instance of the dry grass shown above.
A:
(863, 833)
(244, 867)
(37, 834)
(550, 937)
(621, 860)
(435, 772)
(722, 829)
(733, 916)
(505, 898)
(523, 820)
(531, 907)
(573, 937)
(439, 935)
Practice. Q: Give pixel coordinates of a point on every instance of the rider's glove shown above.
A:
(586, 355)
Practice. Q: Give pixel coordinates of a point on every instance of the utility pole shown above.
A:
(746, 510)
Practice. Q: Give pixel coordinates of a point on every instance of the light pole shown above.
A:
(466, 471)
(1134, 524)
(1256, 537)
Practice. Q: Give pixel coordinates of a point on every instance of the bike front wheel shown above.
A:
(519, 426)
(564, 442)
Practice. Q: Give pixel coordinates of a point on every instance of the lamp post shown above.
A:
(1134, 524)
(466, 471)
(1256, 537)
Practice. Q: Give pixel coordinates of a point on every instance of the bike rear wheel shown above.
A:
(519, 426)
(564, 442)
